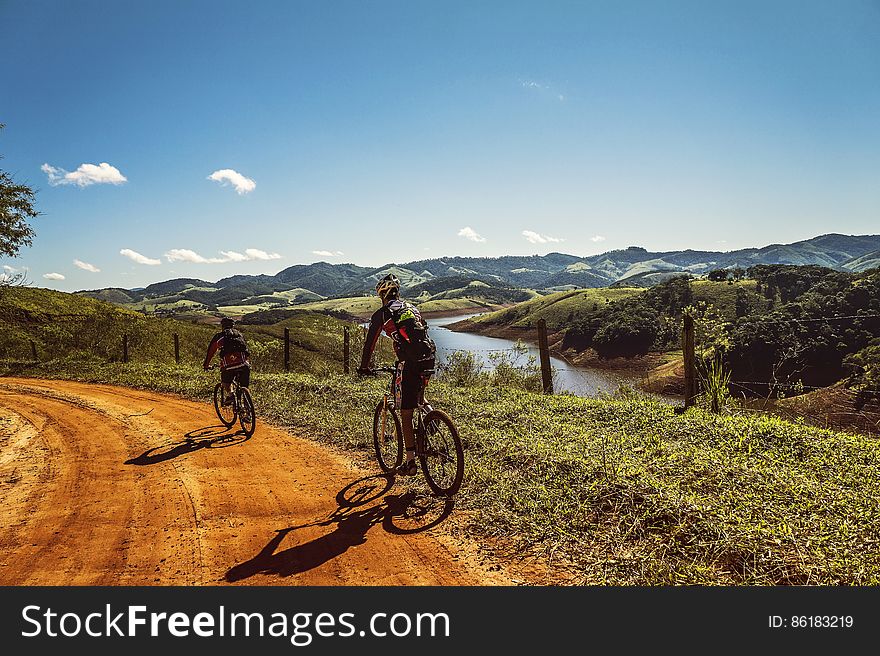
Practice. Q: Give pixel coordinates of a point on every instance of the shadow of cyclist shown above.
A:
(352, 519)
(210, 437)
(411, 513)
(350, 530)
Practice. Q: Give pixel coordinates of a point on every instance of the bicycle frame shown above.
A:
(419, 412)
(241, 399)
(441, 459)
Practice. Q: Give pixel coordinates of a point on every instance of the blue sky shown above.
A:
(376, 132)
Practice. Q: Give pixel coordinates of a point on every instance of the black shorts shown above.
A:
(409, 385)
(242, 373)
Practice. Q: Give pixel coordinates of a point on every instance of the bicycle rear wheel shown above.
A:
(387, 439)
(226, 413)
(247, 416)
(442, 455)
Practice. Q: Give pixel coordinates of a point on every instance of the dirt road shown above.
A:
(103, 485)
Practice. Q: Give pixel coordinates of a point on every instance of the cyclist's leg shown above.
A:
(426, 370)
(244, 376)
(409, 398)
(226, 377)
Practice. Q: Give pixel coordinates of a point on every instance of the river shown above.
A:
(581, 381)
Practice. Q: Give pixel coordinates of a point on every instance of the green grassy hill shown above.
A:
(723, 296)
(558, 309)
(561, 310)
(863, 263)
(73, 327)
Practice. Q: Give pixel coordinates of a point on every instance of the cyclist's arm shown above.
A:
(376, 322)
(212, 349)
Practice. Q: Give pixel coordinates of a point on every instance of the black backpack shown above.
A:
(233, 342)
(419, 346)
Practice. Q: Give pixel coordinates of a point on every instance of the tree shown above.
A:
(16, 208)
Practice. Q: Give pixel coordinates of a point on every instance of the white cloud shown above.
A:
(53, 276)
(540, 87)
(85, 175)
(232, 256)
(469, 233)
(137, 257)
(9, 269)
(531, 84)
(597, 238)
(535, 238)
(257, 254)
(329, 253)
(242, 184)
(85, 266)
(187, 255)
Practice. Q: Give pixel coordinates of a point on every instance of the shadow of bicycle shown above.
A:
(361, 505)
(209, 437)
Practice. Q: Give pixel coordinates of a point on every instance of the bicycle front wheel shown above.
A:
(226, 413)
(442, 455)
(387, 437)
(247, 416)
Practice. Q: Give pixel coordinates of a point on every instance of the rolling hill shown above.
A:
(60, 326)
(444, 279)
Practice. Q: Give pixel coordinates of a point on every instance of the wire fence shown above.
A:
(849, 317)
(862, 390)
(121, 342)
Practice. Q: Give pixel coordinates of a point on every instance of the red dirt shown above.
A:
(103, 485)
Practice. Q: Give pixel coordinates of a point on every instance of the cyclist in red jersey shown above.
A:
(415, 352)
(233, 357)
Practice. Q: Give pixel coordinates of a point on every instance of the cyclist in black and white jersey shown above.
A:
(415, 352)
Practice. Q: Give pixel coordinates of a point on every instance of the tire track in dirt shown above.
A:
(103, 485)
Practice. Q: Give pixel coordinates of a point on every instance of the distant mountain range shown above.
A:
(632, 266)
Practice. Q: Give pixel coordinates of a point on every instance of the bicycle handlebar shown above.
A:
(375, 371)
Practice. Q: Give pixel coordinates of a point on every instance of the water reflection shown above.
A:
(566, 377)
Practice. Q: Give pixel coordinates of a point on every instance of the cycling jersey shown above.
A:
(230, 358)
(404, 324)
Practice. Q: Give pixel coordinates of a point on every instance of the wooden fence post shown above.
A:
(287, 349)
(346, 341)
(690, 378)
(176, 348)
(33, 351)
(125, 347)
(544, 349)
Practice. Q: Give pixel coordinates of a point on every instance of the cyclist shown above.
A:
(415, 357)
(233, 357)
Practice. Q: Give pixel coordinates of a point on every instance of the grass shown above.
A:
(69, 327)
(559, 309)
(455, 304)
(359, 306)
(623, 490)
(620, 491)
(722, 295)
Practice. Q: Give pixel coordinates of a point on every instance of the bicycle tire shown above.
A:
(387, 446)
(223, 411)
(247, 415)
(442, 454)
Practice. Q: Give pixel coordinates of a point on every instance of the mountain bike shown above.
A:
(438, 446)
(241, 407)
